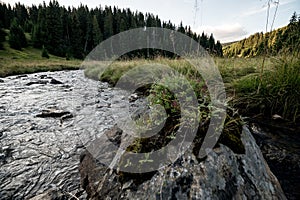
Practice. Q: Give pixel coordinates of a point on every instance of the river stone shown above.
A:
(55, 82)
(221, 175)
(40, 82)
(1, 81)
(51, 194)
(54, 113)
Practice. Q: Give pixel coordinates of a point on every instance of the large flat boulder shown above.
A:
(223, 174)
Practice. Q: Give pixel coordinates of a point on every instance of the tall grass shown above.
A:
(278, 93)
(159, 94)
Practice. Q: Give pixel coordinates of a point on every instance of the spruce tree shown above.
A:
(97, 35)
(108, 23)
(39, 32)
(219, 50)
(17, 38)
(75, 35)
(2, 37)
(211, 43)
(54, 41)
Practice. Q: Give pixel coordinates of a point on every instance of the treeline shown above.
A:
(283, 40)
(74, 32)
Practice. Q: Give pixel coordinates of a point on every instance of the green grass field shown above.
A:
(29, 60)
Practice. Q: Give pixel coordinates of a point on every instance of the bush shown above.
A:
(45, 53)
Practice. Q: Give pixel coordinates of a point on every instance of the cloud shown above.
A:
(225, 33)
(255, 11)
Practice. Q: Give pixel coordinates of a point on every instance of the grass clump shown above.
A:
(276, 91)
(159, 94)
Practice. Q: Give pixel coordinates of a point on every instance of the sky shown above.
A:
(228, 20)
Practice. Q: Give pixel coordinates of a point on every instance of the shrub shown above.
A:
(45, 53)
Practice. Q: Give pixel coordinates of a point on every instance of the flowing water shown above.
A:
(42, 153)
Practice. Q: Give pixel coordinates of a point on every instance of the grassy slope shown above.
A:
(273, 92)
(29, 60)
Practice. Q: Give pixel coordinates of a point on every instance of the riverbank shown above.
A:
(271, 92)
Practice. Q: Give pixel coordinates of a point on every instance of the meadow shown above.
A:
(29, 60)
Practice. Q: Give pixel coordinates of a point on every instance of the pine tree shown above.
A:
(211, 43)
(2, 37)
(204, 41)
(54, 42)
(9, 15)
(219, 49)
(76, 46)
(39, 32)
(108, 23)
(141, 20)
(293, 18)
(21, 14)
(97, 35)
(66, 32)
(17, 38)
(181, 28)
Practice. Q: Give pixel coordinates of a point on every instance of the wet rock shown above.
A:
(39, 82)
(1, 81)
(43, 76)
(280, 148)
(54, 114)
(104, 105)
(5, 153)
(22, 76)
(94, 175)
(55, 82)
(222, 175)
(66, 116)
(133, 97)
(114, 135)
(51, 195)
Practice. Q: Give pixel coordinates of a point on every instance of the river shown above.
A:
(37, 152)
(48, 118)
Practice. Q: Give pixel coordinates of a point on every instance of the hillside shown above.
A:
(30, 60)
(282, 40)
